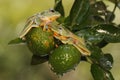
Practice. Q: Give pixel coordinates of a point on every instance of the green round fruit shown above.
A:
(64, 58)
(40, 42)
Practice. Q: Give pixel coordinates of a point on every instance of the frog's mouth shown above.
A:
(49, 19)
(53, 18)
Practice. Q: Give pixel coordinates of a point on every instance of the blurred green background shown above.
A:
(15, 59)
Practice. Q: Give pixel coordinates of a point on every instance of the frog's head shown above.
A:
(59, 28)
(50, 14)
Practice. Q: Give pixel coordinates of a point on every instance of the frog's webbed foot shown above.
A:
(45, 27)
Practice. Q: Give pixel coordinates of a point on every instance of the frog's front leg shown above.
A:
(45, 27)
(46, 22)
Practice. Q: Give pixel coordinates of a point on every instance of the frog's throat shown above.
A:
(50, 19)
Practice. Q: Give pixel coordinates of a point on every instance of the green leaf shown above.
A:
(109, 17)
(99, 74)
(110, 57)
(78, 12)
(106, 61)
(86, 23)
(38, 59)
(98, 18)
(59, 7)
(100, 5)
(90, 35)
(102, 44)
(111, 33)
(16, 41)
(109, 76)
(96, 53)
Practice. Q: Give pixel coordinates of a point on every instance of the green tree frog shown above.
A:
(67, 37)
(41, 19)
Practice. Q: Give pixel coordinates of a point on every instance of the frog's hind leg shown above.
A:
(84, 51)
(26, 30)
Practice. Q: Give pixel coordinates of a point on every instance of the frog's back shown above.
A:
(35, 18)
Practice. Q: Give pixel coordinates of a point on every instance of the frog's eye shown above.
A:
(60, 28)
(51, 10)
